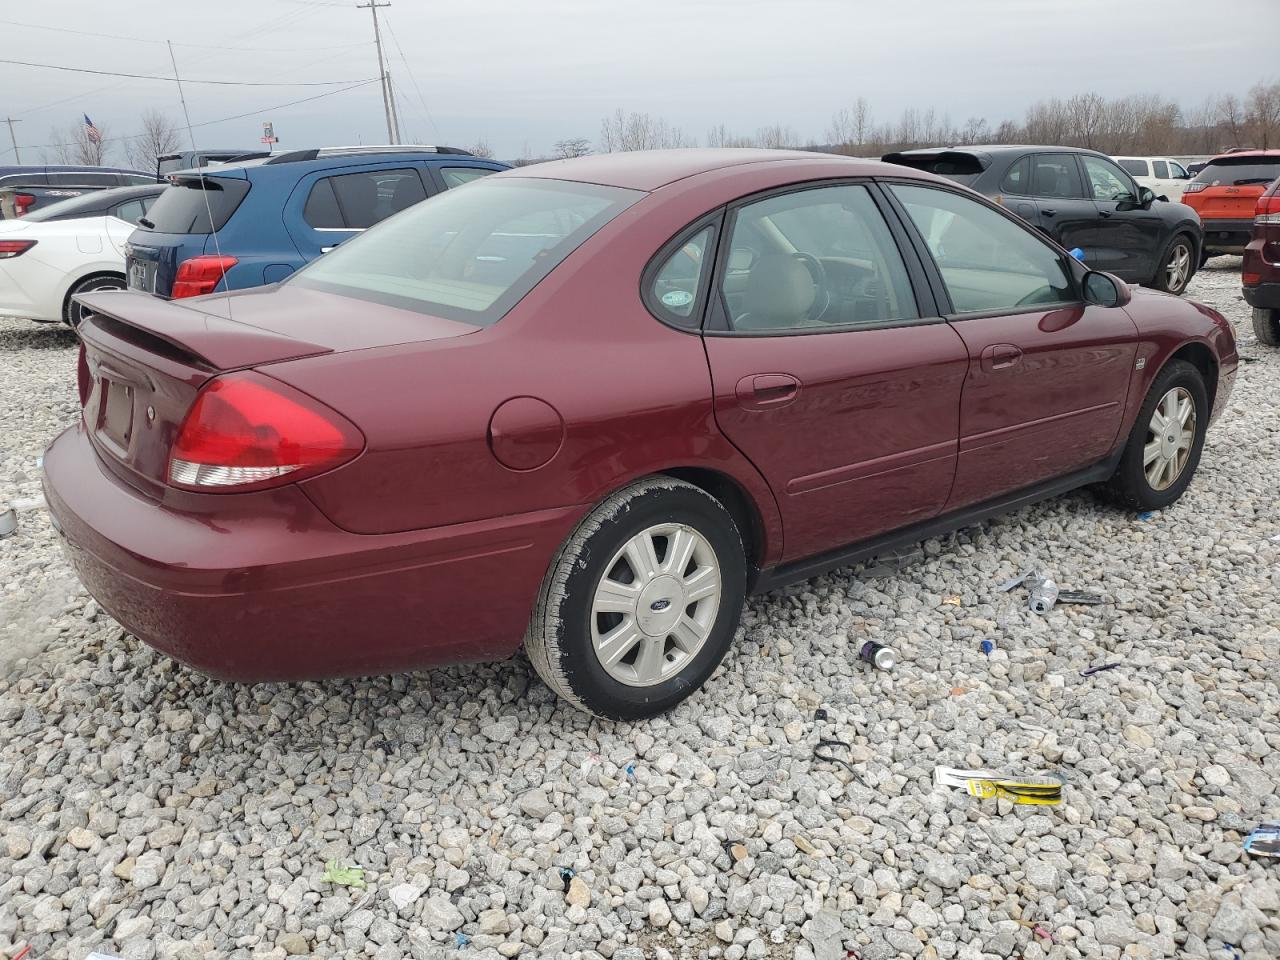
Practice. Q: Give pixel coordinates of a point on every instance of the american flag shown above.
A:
(92, 132)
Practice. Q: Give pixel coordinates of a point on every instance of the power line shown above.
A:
(195, 46)
(152, 76)
(413, 79)
(393, 128)
(209, 123)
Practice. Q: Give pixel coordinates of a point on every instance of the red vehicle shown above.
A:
(590, 404)
(1261, 273)
(1224, 194)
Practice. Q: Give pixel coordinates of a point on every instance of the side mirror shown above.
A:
(1163, 197)
(1146, 197)
(1104, 290)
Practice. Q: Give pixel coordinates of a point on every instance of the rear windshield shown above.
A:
(196, 205)
(469, 255)
(960, 167)
(170, 164)
(82, 206)
(1240, 171)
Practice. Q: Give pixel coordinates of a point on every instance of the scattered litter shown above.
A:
(822, 750)
(1146, 515)
(566, 876)
(8, 522)
(888, 564)
(959, 691)
(1275, 539)
(1032, 727)
(27, 949)
(460, 939)
(878, 655)
(1079, 598)
(952, 601)
(1264, 840)
(631, 772)
(1090, 671)
(587, 764)
(1042, 594)
(1015, 582)
(1037, 929)
(1244, 359)
(1040, 790)
(988, 647)
(1235, 954)
(343, 876)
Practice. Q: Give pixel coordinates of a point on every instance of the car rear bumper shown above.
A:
(1227, 236)
(20, 291)
(261, 586)
(1263, 295)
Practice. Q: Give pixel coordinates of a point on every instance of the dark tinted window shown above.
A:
(1137, 168)
(371, 196)
(131, 210)
(26, 179)
(83, 206)
(84, 180)
(1017, 178)
(1159, 168)
(197, 205)
(135, 180)
(469, 255)
(1055, 175)
(322, 210)
(953, 164)
(457, 176)
(1239, 171)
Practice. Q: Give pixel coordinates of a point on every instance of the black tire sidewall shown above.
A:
(88, 286)
(1131, 476)
(586, 677)
(1266, 326)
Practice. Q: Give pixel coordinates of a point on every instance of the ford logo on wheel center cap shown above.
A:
(659, 605)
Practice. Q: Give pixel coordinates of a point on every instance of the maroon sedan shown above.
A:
(588, 405)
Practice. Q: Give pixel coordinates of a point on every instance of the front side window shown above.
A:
(1177, 171)
(1054, 175)
(812, 259)
(988, 262)
(673, 292)
(356, 201)
(469, 255)
(457, 176)
(1106, 180)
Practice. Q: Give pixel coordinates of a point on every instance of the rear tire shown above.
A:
(1266, 326)
(628, 638)
(72, 312)
(1177, 268)
(1164, 446)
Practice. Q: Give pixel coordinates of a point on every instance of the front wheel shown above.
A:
(1177, 269)
(72, 312)
(1165, 444)
(641, 603)
(1266, 326)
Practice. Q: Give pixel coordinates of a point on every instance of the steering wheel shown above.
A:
(822, 292)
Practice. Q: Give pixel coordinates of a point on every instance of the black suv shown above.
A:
(1083, 199)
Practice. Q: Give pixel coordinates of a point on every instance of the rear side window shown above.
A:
(457, 176)
(135, 180)
(24, 179)
(1056, 175)
(1136, 168)
(133, 210)
(356, 201)
(673, 291)
(1018, 178)
(469, 255)
(1240, 172)
(1160, 169)
(988, 262)
(88, 205)
(197, 204)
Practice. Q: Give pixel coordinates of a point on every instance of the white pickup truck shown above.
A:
(1165, 176)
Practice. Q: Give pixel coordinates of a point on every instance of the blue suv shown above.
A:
(255, 222)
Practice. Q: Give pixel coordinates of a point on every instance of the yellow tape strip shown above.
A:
(1037, 794)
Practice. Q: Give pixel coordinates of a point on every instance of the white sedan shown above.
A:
(67, 248)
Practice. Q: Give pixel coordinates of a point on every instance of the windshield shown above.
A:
(1240, 171)
(471, 253)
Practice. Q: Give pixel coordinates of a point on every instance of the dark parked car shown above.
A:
(250, 223)
(1261, 272)
(27, 188)
(124, 203)
(591, 403)
(1083, 199)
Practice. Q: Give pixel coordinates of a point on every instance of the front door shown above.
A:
(1048, 374)
(828, 374)
(1129, 235)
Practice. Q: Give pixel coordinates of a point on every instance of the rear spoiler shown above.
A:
(216, 342)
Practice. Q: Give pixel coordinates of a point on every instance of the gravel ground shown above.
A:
(146, 811)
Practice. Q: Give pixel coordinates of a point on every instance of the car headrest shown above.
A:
(780, 291)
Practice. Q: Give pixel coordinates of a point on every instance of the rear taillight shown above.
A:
(22, 202)
(247, 431)
(14, 248)
(1267, 211)
(1195, 186)
(200, 275)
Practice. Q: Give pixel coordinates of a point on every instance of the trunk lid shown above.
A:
(143, 359)
(1232, 185)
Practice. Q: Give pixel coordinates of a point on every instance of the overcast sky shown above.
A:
(526, 73)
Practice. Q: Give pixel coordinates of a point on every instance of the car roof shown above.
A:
(651, 169)
(1000, 149)
(1245, 154)
(298, 160)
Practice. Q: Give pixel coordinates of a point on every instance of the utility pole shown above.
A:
(17, 157)
(373, 5)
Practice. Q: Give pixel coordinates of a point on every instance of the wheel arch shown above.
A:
(93, 274)
(1202, 358)
(740, 504)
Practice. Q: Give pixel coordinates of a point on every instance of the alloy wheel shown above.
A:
(655, 604)
(1170, 438)
(1177, 272)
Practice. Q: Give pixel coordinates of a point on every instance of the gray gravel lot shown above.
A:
(146, 811)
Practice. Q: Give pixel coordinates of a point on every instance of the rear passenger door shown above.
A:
(331, 206)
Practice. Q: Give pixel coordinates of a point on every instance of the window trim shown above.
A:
(716, 322)
(1075, 269)
(1087, 183)
(715, 220)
